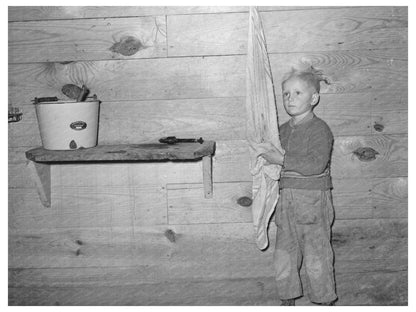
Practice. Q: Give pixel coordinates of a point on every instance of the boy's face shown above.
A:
(298, 96)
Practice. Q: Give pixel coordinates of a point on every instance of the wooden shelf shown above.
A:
(40, 160)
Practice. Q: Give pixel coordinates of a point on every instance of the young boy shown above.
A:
(304, 213)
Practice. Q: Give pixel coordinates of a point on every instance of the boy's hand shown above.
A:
(268, 151)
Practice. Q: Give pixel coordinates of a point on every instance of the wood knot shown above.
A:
(245, 201)
(170, 235)
(365, 153)
(378, 127)
(127, 46)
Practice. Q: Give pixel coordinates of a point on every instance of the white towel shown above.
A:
(262, 126)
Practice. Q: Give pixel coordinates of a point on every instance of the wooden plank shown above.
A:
(336, 29)
(350, 71)
(390, 115)
(210, 118)
(390, 197)
(87, 39)
(353, 289)
(145, 274)
(76, 12)
(112, 192)
(353, 199)
(207, 176)
(104, 207)
(390, 162)
(231, 163)
(26, 131)
(370, 198)
(224, 118)
(192, 250)
(290, 31)
(17, 169)
(184, 208)
(361, 113)
(31, 13)
(203, 77)
(125, 152)
(214, 34)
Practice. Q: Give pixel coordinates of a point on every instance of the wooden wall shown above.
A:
(143, 234)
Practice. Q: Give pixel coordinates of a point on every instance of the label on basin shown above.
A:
(78, 125)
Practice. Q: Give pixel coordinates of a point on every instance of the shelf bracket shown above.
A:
(207, 175)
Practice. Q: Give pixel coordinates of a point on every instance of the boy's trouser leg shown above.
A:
(287, 254)
(318, 256)
(304, 219)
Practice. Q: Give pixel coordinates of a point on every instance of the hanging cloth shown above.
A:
(262, 126)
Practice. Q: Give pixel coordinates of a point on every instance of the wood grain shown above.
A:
(290, 31)
(354, 289)
(197, 250)
(391, 161)
(122, 195)
(125, 152)
(211, 118)
(231, 163)
(203, 77)
(353, 199)
(350, 71)
(142, 233)
(184, 208)
(123, 276)
(86, 39)
(32, 13)
(224, 118)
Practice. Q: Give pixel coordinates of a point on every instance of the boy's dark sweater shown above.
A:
(308, 147)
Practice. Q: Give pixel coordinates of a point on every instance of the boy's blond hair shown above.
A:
(309, 74)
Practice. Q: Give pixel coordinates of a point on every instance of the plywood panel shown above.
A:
(203, 77)
(87, 39)
(290, 31)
